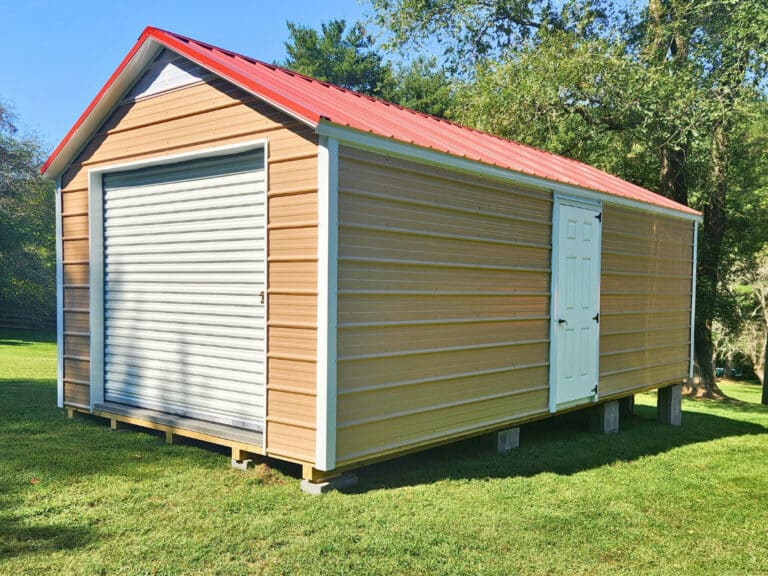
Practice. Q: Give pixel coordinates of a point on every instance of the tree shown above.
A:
(748, 338)
(659, 94)
(350, 58)
(421, 85)
(27, 225)
(343, 57)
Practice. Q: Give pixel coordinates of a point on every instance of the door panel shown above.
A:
(184, 284)
(576, 289)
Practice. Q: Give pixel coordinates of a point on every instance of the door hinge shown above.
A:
(596, 317)
(599, 216)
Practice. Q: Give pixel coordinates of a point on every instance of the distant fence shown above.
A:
(26, 320)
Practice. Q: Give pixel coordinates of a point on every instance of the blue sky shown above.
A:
(56, 55)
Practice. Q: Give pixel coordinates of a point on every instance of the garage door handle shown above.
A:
(261, 297)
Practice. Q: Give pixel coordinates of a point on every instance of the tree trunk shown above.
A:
(674, 183)
(765, 370)
(708, 277)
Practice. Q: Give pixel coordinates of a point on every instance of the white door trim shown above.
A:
(578, 202)
(96, 246)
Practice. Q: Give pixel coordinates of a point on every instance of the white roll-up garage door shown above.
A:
(184, 282)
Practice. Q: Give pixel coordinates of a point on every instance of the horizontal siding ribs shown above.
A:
(439, 235)
(417, 352)
(401, 292)
(293, 422)
(291, 191)
(443, 321)
(440, 406)
(292, 157)
(645, 348)
(351, 191)
(442, 267)
(441, 378)
(290, 292)
(432, 437)
(293, 225)
(292, 390)
(434, 264)
(639, 368)
(645, 300)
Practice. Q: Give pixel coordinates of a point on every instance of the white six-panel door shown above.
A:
(576, 291)
(184, 284)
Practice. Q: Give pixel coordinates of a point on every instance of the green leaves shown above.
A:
(346, 59)
(350, 58)
(27, 243)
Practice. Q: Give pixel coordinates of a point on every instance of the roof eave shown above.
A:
(381, 144)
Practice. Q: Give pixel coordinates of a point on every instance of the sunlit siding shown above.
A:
(199, 116)
(443, 311)
(645, 300)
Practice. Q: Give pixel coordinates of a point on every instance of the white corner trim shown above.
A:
(693, 296)
(96, 244)
(553, 275)
(327, 283)
(59, 300)
(388, 146)
(96, 285)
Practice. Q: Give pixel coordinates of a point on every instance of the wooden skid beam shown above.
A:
(311, 474)
(238, 448)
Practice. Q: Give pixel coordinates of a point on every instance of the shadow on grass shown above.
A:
(41, 440)
(559, 445)
(18, 536)
(5, 342)
(23, 337)
(41, 450)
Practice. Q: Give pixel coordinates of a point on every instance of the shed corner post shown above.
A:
(96, 288)
(693, 296)
(327, 301)
(59, 299)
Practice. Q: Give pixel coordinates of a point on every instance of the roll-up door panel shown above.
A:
(184, 279)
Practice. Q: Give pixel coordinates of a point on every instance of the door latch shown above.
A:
(596, 317)
(562, 321)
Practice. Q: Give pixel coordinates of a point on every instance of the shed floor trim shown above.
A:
(236, 438)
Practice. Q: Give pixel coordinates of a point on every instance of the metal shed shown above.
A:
(279, 265)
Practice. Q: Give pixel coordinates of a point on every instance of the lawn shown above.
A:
(76, 498)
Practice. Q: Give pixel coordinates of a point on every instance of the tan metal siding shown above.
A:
(645, 300)
(443, 304)
(198, 117)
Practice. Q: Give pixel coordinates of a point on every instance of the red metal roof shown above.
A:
(311, 100)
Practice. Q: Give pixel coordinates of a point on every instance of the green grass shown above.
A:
(76, 498)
